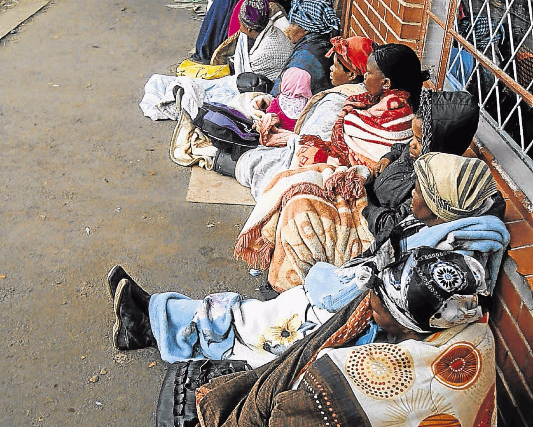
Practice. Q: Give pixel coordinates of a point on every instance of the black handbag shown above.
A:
(176, 406)
(251, 82)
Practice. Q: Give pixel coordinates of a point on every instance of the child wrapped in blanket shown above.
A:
(445, 122)
(276, 124)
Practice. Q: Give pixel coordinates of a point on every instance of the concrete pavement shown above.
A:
(86, 182)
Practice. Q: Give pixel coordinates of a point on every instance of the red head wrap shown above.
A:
(353, 52)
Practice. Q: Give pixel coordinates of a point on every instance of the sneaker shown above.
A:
(132, 327)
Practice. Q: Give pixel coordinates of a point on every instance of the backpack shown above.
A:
(229, 130)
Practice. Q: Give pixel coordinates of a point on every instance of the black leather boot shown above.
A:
(225, 164)
(132, 326)
(141, 297)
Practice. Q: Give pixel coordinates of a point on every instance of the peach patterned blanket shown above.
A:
(304, 216)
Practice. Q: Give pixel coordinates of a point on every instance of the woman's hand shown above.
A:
(261, 102)
(380, 166)
(258, 105)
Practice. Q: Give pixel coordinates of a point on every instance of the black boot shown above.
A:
(132, 326)
(224, 163)
(267, 292)
(141, 297)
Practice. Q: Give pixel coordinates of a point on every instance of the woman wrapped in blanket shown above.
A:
(313, 213)
(257, 167)
(445, 122)
(452, 204)
(370, 123)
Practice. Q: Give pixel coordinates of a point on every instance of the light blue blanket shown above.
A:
(212, 327)
(483, 235)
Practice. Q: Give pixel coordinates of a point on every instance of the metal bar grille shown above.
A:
(491, 56)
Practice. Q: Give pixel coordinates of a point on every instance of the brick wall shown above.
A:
(511, 317)
(385, 21)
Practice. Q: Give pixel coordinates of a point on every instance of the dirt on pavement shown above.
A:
(86, 182)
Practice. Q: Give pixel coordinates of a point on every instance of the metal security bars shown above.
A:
(488, 50)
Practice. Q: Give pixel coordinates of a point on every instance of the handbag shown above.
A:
(193, 69)
(228, 129)
(176, 406)
(251, 82)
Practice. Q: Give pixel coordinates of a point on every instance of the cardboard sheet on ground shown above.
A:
(210, 187)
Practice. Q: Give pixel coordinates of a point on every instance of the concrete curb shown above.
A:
(11, 19)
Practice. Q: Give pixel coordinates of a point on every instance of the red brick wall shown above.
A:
(385, 21)
(511, 316)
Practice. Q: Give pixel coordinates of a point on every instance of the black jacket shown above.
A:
(454, 118)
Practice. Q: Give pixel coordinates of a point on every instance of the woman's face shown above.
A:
(294, 32)
(250, 33)
(415, 146)
(382, 316)
(419, 207)
(338, 74)
(374, 78)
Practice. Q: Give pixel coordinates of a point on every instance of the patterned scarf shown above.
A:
(314, 16)
(353, 52)
(433, 289)
(254, 14)
(454, 187)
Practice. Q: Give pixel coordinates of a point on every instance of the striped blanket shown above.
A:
(304, 216)
(365, 130)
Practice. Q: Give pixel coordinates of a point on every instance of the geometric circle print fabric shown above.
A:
(458, 367)
(381, 371)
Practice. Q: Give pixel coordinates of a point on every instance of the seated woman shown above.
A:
(225, 325)
(311, 24)
(262, 49)
(370, 123)
(432, 363)
(314, 213)
(445, 122)
(257, 167)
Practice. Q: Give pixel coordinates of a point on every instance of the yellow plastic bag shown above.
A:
(189, 68)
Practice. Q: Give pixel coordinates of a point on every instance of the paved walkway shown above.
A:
(86, 182)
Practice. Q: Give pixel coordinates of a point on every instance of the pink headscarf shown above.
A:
(353, 52)
(296, 82)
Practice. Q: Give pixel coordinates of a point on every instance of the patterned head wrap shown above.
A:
(454, 187)
(254, 14)
(433, 289)
(314, 16)
(449, 121)
(353, 52)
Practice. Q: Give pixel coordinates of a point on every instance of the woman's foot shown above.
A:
(115, 275)
(132, 325)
